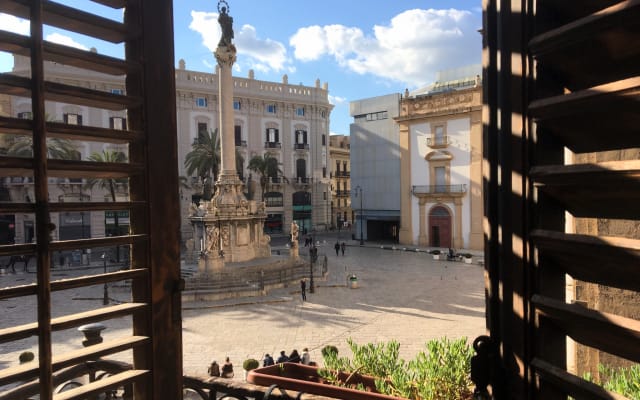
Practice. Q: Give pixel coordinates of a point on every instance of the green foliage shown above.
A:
(26, 356)
(108, 184)
(328, 349)
(442, 372)
(204, 157)
(266, 166)
(250, 363)
(435, 252)
(625, 381)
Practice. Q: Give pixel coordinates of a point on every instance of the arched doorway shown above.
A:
(439, 227)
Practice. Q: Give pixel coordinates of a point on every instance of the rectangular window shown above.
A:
(202, 130)
(300, 111)
(118, 123)
(324, 172)
(25, 115)
(72, 119)
(324, 195)
(440, 173)
(324, 139)
(117, 91)
(201, 102)
(272, 135)
(271, 108)
(301, 137)
(237, 105)
(237, 132)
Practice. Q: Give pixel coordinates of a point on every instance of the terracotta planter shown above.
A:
(304, 378)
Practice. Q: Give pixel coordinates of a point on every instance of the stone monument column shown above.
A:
(226, 55)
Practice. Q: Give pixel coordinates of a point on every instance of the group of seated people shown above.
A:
(294, 357)
(225, 372)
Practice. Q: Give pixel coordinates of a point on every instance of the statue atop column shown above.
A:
(226, 24)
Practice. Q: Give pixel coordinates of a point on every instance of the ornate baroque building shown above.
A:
(441, 165)
(291, 122)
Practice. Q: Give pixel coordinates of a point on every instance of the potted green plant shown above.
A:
(435, 254)
(468, 257)
(375, 371)
(248, 365)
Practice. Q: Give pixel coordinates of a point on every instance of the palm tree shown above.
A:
(267, 167)
(204, 160)
(61, 149)
(108, 184)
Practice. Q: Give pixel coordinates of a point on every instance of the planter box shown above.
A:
(304, 378)
(436, 256)
(468, 260)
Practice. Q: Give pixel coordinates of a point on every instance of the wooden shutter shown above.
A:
(561, 85)
(150, 336)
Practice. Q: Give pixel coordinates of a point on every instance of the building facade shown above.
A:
(375, 168)
(440, 129)
(290, 122)
(339, 153)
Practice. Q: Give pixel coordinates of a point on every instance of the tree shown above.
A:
(108, 184)
(204, 160)
(61, 149)
(267, 167)
(22, 146)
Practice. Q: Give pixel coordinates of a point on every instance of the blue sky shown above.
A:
(361, 48)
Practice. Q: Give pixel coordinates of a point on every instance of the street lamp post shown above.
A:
(105, 298)
(359, 190)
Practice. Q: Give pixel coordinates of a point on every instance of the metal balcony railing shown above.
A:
(436, 189)
(272, 145)
(301, 146)
(438, 141)
(241, 143)
(300, 179)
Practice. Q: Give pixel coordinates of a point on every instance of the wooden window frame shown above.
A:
(154, 273)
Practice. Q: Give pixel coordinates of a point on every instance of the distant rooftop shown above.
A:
(450, 80)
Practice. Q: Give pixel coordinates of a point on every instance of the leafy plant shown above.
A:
(250, 363)
(625, 381)
(328, 349)
(434, 252)
(442, 372)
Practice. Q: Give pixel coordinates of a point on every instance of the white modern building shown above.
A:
(375, 168)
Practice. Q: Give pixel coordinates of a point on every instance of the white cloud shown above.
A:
(337, 100)
(65, 40)
(264, 55)
(410, 49)
(13, 24)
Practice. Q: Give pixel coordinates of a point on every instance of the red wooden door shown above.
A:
(439, 227)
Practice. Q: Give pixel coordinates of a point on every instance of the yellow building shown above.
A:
(441, 163)
(339, 153)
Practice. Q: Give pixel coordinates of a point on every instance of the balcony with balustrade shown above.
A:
(438, 142)
(272, 145)
(439, 191)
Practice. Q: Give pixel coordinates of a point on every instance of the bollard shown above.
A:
(92, 333)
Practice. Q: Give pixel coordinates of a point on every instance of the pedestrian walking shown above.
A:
(303, 289)
(343, 247)
(337, 247)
